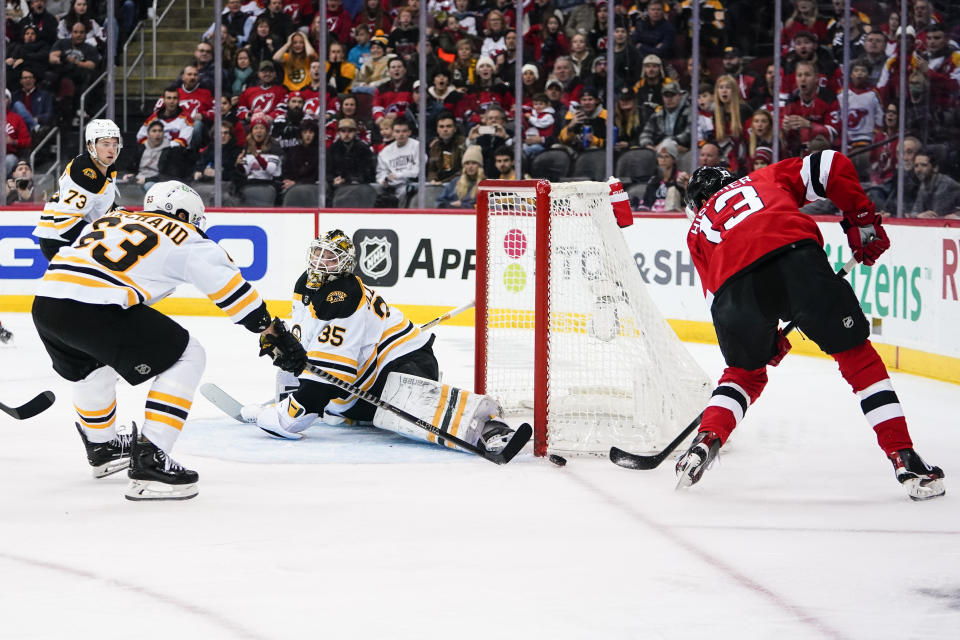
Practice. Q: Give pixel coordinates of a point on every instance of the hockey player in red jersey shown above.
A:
(760, 261)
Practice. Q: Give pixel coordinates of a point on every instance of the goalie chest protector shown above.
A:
(351, 332)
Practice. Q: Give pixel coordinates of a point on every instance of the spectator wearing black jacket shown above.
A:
(42, 20)
(350, 161)
(300, 161)
(31, 53)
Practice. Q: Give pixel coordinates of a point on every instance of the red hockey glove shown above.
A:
(620, 202)
(783, 347)
(866, 236)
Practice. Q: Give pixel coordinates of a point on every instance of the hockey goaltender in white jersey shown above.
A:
(92, 312)
(352, 333)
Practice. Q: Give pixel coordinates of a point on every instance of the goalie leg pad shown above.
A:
(285, 419)
(456, 411)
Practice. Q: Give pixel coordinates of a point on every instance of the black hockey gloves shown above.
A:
(283, 348)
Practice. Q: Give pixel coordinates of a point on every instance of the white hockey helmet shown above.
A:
(101, 128)
(176, 198)
(330, 256)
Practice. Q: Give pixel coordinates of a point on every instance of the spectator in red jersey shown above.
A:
(487, 90)
(395, 96)
(571, 85)
(889, 83)
(805, 17)
(177, 124)
(374, 17)
(197, 103)
(942, 69)
(811, 111)
(541, 126)
(228, 114)
(339, 23)
(300, 12)
(547, 41)
(311, 94)
(746, 78)
(266, 96)
(18, 137)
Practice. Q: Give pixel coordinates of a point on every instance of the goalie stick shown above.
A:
(38, 405)
(520, 437)
(447, 316)
(629, 460)
(223, 401)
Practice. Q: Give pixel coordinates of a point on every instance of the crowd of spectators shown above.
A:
(273, 74)
(55, 49)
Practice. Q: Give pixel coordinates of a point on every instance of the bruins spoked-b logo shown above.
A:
(377, 256)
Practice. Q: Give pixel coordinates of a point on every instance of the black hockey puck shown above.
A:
(557, 460)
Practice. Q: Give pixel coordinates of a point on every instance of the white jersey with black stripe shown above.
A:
(129, 258)
(349, 331)
(84, 194)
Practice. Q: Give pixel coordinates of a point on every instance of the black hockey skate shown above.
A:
(698, 458)
(107, 458)
(494, 436)
(5, 335)
(154, 475)
(921, 481)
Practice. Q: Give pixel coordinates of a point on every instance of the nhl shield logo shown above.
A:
(142, 369)
(848, 322)
(378, 256)
(375, 258)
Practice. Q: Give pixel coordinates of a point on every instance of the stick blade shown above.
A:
(222, 400)
(629, 460)
(520, 438)
(37, 405)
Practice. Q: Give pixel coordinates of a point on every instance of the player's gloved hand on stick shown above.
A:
(283, 348)
(866, 236)
(783, 347)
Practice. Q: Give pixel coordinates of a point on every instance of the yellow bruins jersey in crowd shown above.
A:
(350, 331)
(128, 258)
(84, 194)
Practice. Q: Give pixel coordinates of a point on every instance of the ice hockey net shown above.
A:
(565, 328)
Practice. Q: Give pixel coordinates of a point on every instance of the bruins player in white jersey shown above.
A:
(352, 333)
(86, 190)
(93, 314)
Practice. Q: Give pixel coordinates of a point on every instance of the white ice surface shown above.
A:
(800, 532)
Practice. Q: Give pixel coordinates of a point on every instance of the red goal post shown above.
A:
(565, 330)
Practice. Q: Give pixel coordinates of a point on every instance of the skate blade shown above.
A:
(110, 468)
(154, 490)
(919, 492)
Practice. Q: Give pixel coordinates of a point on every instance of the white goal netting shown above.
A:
(615, 372)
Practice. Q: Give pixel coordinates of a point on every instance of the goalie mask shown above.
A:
(705, 182)
(329, 257)
(177, 199)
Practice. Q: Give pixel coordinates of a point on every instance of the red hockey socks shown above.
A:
(864, 370)
(734, 393)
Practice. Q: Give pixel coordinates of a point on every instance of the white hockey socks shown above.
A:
(95, 399)
(171, 396)
(456, 411)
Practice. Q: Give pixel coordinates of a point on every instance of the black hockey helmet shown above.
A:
(705, 182)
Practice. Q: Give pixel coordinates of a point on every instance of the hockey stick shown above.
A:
(447, 316)
(223, 401)
(520, 437)
(38, 405)
(645, 462)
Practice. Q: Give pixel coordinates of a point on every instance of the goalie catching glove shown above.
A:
(283, 348)
(865, 235)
